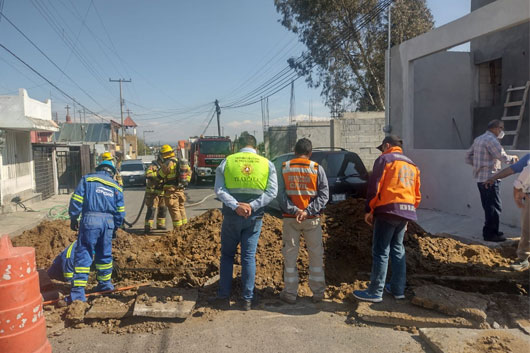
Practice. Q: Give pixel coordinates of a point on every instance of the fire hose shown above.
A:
(130, 224)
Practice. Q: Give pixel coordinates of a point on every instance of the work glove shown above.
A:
(74, 224)
(114, 233)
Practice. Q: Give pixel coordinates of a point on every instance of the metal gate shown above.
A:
(72, 165)
(68, 170)
(44, 178)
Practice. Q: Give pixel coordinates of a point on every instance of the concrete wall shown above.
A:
(443, 95)
(15, 109)
(281, 139)
(512, 46)
(447, 184)
(360, 133)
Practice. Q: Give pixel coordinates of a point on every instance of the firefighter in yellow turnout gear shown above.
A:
(176, 175)
(107, 156)
(154, 197)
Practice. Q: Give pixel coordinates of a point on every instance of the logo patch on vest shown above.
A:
(246, 169)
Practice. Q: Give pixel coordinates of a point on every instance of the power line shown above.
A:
(51, 83)
(283, 78)
(48, 58)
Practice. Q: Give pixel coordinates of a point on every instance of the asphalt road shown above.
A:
(272, 328)
(199, 199)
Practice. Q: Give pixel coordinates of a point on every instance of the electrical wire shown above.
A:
(49, 82)
(284, 78)
(48, 58)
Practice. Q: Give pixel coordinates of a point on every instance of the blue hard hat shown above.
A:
(106, 164)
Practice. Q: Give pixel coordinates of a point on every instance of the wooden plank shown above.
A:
(516, 89)
(513, 117)
(513, 104)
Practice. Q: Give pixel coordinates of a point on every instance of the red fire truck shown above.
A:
(206, 153)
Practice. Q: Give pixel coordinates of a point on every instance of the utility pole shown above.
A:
(145, 143)
(121, 80)
(218, 111)
(84, 115)
(67, 111)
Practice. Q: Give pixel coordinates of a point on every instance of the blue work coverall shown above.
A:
(62, 268)
(99, 201)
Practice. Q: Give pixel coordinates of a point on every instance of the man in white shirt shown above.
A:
(521, 195)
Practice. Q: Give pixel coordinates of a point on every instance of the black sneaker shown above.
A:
(246, 305)
(219, 302)
(496, 239)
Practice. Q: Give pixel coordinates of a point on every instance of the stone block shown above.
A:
(451, 302)
(457, 340)
(165, 302)
(403, 313)
(108, 308)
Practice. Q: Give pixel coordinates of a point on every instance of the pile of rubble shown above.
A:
(189, 256)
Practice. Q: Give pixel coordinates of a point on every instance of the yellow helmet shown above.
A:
(166, 149)
(107, 156)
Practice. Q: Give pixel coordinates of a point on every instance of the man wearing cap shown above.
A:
(391, 200)
(485, 155)
(245, 182)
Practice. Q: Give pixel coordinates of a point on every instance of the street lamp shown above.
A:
(145, 143)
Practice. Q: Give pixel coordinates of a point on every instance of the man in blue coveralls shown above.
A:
(99, 199)
(62, 268)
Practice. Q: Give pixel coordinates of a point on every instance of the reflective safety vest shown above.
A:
(300, 177)
(246, 175)
(170, 173)
(153, 184)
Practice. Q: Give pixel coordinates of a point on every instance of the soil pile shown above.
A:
(189, 256)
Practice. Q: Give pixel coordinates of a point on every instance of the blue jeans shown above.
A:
(388, 238)
(238, 230)
(491, 203)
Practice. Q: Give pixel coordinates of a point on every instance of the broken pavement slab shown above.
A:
(451, 302)
(109, 308)
(456, 340)
(403, 313)
(165, 302)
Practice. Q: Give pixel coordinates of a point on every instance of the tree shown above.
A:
(349, 64)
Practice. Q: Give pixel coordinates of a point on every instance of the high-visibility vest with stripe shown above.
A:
(169, 171)
(300, 177)
(246, 175)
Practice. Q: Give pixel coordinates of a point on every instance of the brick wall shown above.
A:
(359, 132)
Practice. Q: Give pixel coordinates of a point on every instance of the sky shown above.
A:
(179, 55)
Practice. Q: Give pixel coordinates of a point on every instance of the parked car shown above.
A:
(346, 173)
(133, 172)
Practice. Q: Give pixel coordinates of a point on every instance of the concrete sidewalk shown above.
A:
(15, 223)
(465, 228)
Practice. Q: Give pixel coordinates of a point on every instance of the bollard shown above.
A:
(22, 324)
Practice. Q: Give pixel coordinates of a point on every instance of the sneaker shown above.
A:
(495, 238)
(288, 298)
(396, 296)
(364, 295)
(520, 265)
(219, 302)
(246, 305)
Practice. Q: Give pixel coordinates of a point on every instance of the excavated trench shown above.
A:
(189, 256)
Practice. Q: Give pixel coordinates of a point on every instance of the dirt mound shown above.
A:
(189, 256)
(191, 253)
(49, 238)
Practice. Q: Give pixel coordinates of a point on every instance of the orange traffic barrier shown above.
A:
(22, 324)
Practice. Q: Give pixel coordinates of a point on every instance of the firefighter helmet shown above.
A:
(106, 156)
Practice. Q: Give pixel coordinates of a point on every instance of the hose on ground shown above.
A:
(130, 224)
(59, 212)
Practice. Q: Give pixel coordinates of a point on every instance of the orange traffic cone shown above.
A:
(22, 324)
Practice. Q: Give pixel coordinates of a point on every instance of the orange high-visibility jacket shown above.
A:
(394, 187)
(300, 177)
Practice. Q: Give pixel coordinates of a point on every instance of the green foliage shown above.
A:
(350, 72)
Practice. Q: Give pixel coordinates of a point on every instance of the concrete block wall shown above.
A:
(359, 132)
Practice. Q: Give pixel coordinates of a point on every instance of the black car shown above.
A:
(347, 175)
